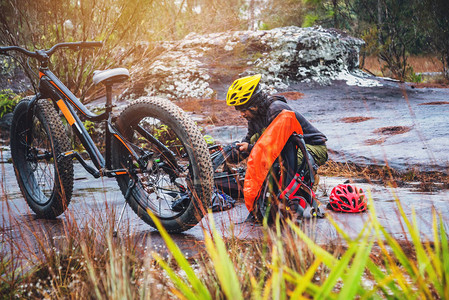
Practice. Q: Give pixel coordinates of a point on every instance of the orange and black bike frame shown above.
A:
(50, 87)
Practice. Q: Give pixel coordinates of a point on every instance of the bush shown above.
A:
(41, 24)
(8, 100)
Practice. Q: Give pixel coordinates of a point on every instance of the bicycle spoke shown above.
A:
(159, 187)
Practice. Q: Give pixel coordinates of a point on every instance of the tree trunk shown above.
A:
(379, 20)
(251, 15)
(335, 5)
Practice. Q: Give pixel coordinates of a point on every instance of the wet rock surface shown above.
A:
(93, 201)
(383, 125)
(397, 130)
(376, 112)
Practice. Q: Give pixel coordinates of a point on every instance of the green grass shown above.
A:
(87, 262)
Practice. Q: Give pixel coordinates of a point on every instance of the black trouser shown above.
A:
(292, 160)
(289, 162)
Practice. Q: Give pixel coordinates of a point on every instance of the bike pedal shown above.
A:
(70, 153)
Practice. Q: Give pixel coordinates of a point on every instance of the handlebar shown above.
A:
(3, 50)
(44, 54)
(73, 45)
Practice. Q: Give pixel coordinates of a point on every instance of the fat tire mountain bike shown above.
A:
(156, 153)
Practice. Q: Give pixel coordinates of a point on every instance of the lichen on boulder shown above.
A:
(201, 66)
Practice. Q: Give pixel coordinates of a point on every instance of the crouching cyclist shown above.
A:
(272, 120)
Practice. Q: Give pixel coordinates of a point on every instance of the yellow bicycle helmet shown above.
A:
(241, 91)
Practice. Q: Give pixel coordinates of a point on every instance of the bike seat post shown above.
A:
(108, 111)
(108, 98)
(108, 78)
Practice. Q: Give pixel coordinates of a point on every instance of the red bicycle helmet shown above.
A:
(347, 198)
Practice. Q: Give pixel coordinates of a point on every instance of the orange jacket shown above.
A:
(265, 152)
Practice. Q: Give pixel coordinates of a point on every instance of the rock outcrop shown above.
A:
(199, 66)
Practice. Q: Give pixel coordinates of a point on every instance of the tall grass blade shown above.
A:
(182, 286)
(423, 262)
(327, 258)
(390, 263)
(436, 245)
(337, 271)
(200, 289)
(303, 282)
(278, 263)
(383, 281)
(255, 287)
(91, 271)
(351, 285)
(223, 265)
(445, 259)
(428, 273)
(267, 289)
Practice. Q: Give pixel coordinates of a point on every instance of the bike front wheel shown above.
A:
(173, 177)
(44, 176)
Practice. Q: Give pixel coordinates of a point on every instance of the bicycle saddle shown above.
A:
(110, 76)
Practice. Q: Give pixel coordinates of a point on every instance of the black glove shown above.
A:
(233, 155)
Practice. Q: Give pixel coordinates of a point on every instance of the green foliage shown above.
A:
(129, 28)
(264, 26)
(310, 20)
(412, 76)
(433, 18)
(400, 275)
(8, 100)
(370, 36)
(329, 13)
(390, 32)
(7, 65)
(90, 126)
(167, 136)
(392, 29)
(209, 139)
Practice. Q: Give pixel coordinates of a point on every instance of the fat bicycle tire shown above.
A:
(195, 158)
(45, 183)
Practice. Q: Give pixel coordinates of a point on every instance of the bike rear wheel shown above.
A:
(173, 178)
(45, 178)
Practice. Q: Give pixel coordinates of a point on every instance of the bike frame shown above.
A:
(50, 87)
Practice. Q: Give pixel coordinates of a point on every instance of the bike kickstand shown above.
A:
(114, 233)
(131, 185)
